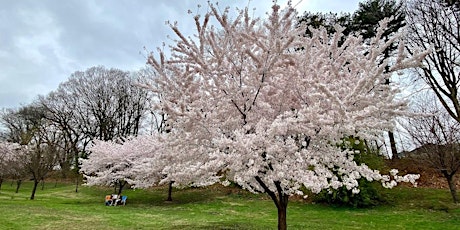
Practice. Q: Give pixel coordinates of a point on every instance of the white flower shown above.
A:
(393, 172)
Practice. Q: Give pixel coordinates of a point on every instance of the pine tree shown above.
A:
(366, 21)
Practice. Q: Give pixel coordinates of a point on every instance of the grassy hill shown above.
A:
(58, 206)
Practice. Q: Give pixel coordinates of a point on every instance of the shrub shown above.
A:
(369, 194)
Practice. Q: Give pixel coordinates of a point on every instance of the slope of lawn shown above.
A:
(58, 206)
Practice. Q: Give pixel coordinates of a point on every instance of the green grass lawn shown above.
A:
(58, 206)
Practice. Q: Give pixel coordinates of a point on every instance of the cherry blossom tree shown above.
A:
(38, 142)
(4, 160)
(8, 160)
(112, 162)
(255, 102)
(141, 162)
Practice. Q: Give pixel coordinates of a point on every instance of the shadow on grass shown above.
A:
(218, 226)
(157, 196)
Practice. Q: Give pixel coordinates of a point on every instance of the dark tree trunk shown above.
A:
(282, 211)
(452, 186)
(76, 183)
(63, 171)
(18, 185)
(34, 189)
(43, 184)
(170, 191)
(1, 182)
(394, 152)
(77, 166)
(281, 201)
(121, 186)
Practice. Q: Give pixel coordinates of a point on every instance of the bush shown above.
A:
(369, 194)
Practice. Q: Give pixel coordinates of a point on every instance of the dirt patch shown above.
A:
(429, 178)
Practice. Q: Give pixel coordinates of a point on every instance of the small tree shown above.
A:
(12, 163)
(437, 136)
(5, 153)
(7, 159)
(39, 160)
(255, 102)
(107, 165)
(114, 163)
(140, 162)
(38, 144)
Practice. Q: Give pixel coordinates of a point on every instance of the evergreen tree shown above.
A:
(366, 21)
(328, 21)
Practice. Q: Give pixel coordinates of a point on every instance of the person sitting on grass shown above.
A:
(108, 200)
(114, 199)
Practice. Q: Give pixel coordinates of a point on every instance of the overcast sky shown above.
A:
(42, 42)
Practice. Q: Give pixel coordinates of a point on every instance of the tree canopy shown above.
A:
(247, 105)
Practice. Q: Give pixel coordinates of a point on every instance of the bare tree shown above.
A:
(98, 103)
(434, 24)
(106, 103)
(438, 136)
(62, 118)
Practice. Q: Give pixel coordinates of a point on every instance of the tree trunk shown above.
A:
(280, 199)
(43, 184)
(34, 189)
(77, 165)
(121, 186)
(452, 187)
(76, 183)
(282, 212)
(18, 184)
(170, 191)
(394, 152)
(1, 182)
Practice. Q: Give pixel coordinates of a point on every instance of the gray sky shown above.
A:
(42, 42)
